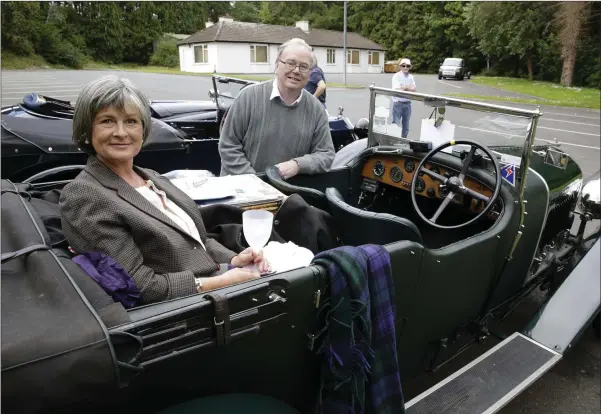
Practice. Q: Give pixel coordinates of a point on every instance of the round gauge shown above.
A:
(396, 174)
(420, 185)
(379, 168)
(409, 165)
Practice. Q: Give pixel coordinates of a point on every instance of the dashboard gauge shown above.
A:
(420, 185)
(409, 165)
(396, 174)
(433, 168)
(379, 168)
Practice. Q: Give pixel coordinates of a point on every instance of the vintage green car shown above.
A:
(472, 225)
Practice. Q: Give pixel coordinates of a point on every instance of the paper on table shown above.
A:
(444, 133)
(203, 189)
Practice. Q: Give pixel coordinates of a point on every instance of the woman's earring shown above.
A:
(86, 141)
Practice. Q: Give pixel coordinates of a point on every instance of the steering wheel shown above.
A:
(456, 185)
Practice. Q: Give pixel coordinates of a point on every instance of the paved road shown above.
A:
(573, 386)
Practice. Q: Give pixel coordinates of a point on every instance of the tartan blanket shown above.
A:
(359, 371)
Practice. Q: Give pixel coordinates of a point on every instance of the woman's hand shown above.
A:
(249, 256)
(231, 277)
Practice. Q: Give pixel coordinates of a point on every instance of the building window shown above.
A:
(258, 54)
(331, 56)
(352, 57)
(201, 54)
(373, 58)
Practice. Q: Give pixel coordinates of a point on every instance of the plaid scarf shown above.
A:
(360, 370)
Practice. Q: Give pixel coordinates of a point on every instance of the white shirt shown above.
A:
(173, 211)
(275, 93)
(399, 80)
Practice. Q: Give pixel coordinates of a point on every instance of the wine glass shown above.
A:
(257, 226)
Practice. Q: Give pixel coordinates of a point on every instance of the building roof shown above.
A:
(243, 32)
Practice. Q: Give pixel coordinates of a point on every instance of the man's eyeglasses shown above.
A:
(405, 66)
(291, 65)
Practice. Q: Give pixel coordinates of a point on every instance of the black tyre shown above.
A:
(439, 76)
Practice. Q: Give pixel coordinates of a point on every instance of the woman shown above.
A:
(136, 216)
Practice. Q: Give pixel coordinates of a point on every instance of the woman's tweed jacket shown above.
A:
(101, 212)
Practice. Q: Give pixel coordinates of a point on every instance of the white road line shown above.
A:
(12, 100)
(53, 86)
(493, 132)
(568, 143)
(448, 84)
(567, 122)
(24, 92)
(551, 129)
(38, 85)
(576, 116)
(523, 137)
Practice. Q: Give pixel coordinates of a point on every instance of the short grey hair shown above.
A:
(108, 91)
(297, 41)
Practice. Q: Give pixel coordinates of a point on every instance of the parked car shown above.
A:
(455, 68)
(36, 134)
(471, 226)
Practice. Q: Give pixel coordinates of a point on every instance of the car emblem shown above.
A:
(508, 173)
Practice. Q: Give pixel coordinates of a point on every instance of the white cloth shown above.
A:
(275, 93)
(399, 80)
(176, 214)
(286, 256)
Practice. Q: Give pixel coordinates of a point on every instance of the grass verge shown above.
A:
(548, 93)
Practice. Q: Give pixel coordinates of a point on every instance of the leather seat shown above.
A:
(314, 197)
(359, 227)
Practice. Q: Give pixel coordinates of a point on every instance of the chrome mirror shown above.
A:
(556, 158)
(590, 198)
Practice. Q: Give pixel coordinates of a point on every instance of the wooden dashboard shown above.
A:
(398, 172)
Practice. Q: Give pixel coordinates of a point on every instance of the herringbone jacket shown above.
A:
(101, 212)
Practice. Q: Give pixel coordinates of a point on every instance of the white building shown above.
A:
(239, 47)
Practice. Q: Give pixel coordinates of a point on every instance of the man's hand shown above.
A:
(288, 169)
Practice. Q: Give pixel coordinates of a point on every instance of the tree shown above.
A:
(514, 28)
(571, 16)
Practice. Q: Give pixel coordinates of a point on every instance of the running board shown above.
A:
(489, 382)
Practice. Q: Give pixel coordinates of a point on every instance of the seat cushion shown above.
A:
(232, 404)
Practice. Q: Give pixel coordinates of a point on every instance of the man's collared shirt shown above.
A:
(275, 93)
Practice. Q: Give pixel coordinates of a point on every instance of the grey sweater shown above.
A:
(259, 132)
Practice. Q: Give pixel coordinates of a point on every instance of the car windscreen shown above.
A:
(451, 62)
(499, 131)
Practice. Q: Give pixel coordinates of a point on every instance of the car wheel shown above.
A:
(469, 76)
(439, 76)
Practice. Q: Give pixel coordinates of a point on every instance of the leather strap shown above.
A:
(221, 318)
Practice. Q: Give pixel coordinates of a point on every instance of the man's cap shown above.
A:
(405, 61)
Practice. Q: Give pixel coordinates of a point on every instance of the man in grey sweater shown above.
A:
(278, 122)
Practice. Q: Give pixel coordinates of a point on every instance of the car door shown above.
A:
(268, 349)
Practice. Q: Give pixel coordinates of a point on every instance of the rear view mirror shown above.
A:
(211, 93)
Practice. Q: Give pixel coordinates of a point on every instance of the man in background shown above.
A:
(317, 84)
(401, 108)
(277, 122)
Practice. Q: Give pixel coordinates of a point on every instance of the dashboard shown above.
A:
(398, 172)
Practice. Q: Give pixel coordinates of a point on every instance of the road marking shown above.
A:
(493, 132)
(40, 86)
(551, 129)
(54, 96)
(25, 93)
(524, 138)
(567, 143)
(448, 84)
(577, 116)
(568, 122)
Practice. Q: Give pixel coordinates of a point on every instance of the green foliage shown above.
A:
(166, 54)
(517, 38)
